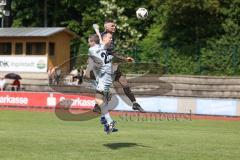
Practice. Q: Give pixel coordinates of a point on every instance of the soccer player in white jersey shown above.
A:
(102, 68)
(110, 27)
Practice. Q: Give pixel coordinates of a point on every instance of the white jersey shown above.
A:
(101, 64)
(102, 60)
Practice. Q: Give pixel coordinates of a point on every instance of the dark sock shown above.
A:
(129, 94)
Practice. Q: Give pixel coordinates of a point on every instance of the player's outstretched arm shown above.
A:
(123, 58)
(130, 59)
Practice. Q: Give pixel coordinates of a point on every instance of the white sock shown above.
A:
(108, 118)
(105, 113)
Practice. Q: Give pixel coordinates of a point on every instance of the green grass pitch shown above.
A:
(42, 136)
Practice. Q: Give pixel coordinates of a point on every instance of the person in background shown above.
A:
(16, 85)
(50, 75)
(74, 81)
(58, 74)
(80, 76)
(2, 83)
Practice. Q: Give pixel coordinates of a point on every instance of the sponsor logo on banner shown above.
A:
(34, 99)
(41, 64)
(23, 63)
(51, 101)
(12, 100)
(3, 64)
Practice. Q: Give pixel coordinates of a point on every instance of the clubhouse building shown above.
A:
(35, 49)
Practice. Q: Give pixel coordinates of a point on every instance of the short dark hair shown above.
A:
(94, 38)
(104, 35)
(109, 21)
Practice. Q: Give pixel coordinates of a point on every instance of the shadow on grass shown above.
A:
(123, 145)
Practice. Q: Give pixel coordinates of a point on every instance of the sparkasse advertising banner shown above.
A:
(41, 99)
(23, 63)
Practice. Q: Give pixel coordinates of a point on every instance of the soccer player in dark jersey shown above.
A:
(110, 27)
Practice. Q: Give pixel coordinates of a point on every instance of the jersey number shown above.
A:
(104, 55)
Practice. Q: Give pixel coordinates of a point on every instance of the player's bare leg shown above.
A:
(123, 81)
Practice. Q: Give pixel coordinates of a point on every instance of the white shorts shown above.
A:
(104, 82)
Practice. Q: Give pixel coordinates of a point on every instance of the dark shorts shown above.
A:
(118, 74)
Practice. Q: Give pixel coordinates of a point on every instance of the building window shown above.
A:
(35, 48)
(51, 49)
(18, 48)
(5, 48)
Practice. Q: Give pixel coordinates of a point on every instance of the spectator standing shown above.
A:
(16, 85)
(2, 83)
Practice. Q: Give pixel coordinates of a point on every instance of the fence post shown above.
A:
(165, 52)
(198, 70)
(135, 53)
(234, 59)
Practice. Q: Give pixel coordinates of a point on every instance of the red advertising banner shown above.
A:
(44, 99)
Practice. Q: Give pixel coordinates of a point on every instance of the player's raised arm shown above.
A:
(96, 29)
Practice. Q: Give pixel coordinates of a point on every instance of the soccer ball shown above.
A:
(142, 13)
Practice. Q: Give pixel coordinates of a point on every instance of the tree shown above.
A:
(180, 33)
(8, 19)
(127, 34)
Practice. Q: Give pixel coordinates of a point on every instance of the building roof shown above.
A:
(34, 32)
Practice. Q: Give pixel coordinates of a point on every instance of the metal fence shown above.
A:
(207, 60)
(193, 60)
